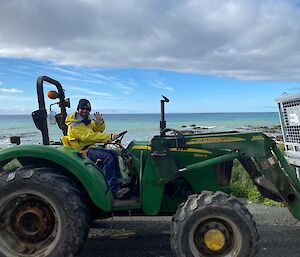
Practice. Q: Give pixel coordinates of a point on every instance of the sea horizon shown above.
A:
(142, 126)
(154, 113)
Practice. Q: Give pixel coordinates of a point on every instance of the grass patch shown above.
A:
(13, 164)
(242, 186)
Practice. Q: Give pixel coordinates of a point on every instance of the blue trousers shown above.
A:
(110, 166)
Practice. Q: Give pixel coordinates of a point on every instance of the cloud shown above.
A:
(247, 40)
(66, 71)
(13, 99)
(10, 90)
(87, 91)
(1, 82)
(123, 85)
(161, 85)
(125, 89)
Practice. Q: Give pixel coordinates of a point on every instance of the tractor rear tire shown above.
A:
(42, 214)
(213, 224)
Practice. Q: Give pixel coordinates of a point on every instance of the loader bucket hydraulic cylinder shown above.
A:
(291, 174)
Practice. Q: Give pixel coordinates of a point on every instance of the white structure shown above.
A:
(289, 114)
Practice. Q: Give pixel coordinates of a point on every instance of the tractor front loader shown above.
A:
(49, 200)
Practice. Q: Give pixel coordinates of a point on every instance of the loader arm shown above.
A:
(257, 153)
(263, 161)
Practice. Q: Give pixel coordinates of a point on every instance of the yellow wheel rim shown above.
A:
(214, 239)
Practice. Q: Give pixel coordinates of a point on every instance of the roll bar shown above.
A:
(40, 116)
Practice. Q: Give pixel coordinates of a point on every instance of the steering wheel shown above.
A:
(119, 137)
(118, 140)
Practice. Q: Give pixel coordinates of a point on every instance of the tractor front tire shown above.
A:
(42, 214)
(213, 224)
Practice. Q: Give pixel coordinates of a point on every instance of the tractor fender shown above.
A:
(82, 168)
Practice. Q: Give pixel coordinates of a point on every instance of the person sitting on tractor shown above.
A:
(83, 133)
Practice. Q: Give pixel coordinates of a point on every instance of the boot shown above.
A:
(121, 192)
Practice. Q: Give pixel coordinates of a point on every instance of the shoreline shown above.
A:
(272, 131)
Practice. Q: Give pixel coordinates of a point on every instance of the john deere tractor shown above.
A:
(48, 201)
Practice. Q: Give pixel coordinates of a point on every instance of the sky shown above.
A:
(206, 56)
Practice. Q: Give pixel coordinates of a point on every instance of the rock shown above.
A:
(187, 132)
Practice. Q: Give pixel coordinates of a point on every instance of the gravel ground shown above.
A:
(149, 236)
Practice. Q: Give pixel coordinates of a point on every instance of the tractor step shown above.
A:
(129, 203)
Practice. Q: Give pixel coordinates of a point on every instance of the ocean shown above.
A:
(139, 126)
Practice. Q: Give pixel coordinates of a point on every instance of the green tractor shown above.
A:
(49, 200)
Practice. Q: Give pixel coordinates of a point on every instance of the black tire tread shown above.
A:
(74, 202)
(207, 198)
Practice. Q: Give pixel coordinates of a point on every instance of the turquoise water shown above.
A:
(139, 126)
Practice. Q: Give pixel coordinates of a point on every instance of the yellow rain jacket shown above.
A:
(81, 135)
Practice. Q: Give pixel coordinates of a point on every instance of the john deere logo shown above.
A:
(211, 140)
(257, 138)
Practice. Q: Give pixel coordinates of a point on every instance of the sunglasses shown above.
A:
(85, 108)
